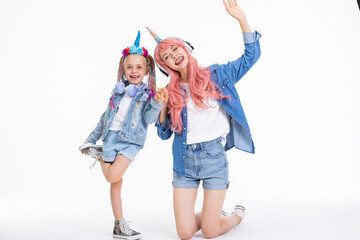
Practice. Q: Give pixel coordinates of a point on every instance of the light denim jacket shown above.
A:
(225, 76)
(142, 112)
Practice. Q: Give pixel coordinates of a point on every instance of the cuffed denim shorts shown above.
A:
(205, 161)
(113, 146)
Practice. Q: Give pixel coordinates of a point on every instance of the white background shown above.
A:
(58, 65)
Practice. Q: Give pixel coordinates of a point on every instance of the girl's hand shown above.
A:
(236, 12)
(161, 95)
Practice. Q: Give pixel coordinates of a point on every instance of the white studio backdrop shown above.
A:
(58, 65)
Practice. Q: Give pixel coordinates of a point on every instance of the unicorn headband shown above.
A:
(136, 49)
(189, 47)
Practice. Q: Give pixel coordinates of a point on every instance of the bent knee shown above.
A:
(185, 234)
(208, 233)
(113, 178)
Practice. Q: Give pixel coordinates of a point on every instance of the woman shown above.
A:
(203, 110)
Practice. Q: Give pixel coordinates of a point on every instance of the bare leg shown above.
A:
(115, 195)
(187, 223)
(211, 223)
(114, 172)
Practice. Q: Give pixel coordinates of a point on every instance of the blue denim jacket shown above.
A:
(225, 76)
(142, 112)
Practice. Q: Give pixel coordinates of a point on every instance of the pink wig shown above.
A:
(201, 87)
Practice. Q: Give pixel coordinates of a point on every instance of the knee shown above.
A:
(185, 234)
(209, 233)
(113, 178)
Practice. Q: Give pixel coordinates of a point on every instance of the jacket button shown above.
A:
(183, 156)
(122, 136)
(185, 114)
(183, 142)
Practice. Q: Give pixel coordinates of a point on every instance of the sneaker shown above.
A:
(123, 230)
(94, 151)
(90, 148)
(239, 211)
(223, 213)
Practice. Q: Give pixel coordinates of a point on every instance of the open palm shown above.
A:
(234, 10)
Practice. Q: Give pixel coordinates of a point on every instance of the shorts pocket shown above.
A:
(214, 150)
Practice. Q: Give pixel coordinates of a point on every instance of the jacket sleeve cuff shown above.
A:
(155, 104)
(164, 125)
(251, 37)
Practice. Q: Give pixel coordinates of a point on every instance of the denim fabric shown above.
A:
(142, 112)
(204, 161)
(114, 146)
(225, 76)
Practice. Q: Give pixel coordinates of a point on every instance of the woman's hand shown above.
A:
(164, 97)
(236, 12)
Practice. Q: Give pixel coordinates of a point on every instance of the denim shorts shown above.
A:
(113, 146)
(205, 161)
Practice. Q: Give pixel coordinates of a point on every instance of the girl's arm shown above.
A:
(97, 132)
(151, 111)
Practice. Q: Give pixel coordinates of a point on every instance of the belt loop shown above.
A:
(202, 146)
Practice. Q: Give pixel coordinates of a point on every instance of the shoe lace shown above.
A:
(96, 155)
(93, 164)
(126, 227)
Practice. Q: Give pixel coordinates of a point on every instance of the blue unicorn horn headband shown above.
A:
(135, 49)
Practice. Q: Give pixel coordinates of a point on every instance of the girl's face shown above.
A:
(135, 68)
(175, 58)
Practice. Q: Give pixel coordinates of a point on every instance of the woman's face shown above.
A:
(175, 58)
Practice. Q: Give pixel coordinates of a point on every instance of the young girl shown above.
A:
(204, 112)
(123, 126)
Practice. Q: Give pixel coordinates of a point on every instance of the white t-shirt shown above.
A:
(206, 124)
(122, 112)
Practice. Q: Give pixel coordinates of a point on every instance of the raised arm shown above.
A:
(235, 70)
(236, 12)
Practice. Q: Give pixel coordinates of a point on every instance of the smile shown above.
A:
(134, 76)
(179, 60)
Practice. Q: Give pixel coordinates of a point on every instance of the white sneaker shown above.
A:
(94, 151)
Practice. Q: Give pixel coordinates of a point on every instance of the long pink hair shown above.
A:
(201, 87)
